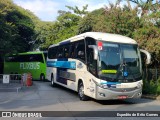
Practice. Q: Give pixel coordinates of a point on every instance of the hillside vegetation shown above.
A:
(21, 30)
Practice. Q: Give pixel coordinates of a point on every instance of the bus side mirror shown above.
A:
(95, 51)
(148, 56)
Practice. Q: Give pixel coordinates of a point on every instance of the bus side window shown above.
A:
(91, 63)
(66, 51)
(37, 58)
(10, 58)
(60, 52)
(23, 58)
(72, 50)
(80, 51)
(51, 53)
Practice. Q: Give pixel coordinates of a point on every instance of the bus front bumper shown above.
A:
(107, 94)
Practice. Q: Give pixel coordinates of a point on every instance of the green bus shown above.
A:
(27, 62)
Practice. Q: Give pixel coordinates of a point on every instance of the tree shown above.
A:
(64, 27)
(94, 21)
(124, 21)
(16, 30)
(7, 30)
(146, 5)
(147, 35)
(77, 11)
(44, 33)
(111, 19)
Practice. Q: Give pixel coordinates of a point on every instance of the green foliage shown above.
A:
(112, 20)
(124, 21)
(16, 28)
(43, 35)
(151, 87)
(21, 30)
(145, 4)
(77, 11)
(86, 24)
(158, 86)
(148, 35)
(64, 27)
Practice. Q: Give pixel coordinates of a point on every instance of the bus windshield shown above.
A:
(119, 62)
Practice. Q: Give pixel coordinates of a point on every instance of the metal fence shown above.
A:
(151, 74)
(10, 82)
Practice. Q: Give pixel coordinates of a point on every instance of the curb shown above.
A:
(153, 97)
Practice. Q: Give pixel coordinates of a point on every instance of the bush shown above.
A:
(151, 87)
(145, 86)
(158, 88)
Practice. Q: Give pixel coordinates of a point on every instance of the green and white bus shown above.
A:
(98, 65)
(27, 62)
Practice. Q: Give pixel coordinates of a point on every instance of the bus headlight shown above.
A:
(139, 85)
(104, 86)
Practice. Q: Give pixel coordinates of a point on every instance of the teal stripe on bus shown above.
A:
(62, 64)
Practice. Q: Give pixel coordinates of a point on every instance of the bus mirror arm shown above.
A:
(148, 55)
(95, 51)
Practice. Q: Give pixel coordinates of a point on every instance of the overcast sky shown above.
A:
(47, 10)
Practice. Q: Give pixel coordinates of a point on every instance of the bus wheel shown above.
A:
(42, 77)
(52, 81)
(81, 94)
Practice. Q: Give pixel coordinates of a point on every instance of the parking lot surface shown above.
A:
(42, 97)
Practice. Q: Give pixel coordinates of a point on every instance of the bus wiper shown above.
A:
(122, 68)
(124, 72)
(117, 74)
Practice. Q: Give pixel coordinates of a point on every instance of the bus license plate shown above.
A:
(122, 97)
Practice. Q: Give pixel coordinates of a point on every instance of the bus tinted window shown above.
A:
(60, 52)
(66, 51)
(22, 58)
(9, 59)
(80, 52)
(72, 50)
(52, 53)
(36, 58)
(25, 58)
(90, 59)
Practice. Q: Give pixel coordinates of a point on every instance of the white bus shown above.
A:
(102, 66)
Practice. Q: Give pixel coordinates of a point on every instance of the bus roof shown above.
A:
(30, 52)
(99, 36)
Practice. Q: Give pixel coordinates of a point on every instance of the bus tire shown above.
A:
(52, 81)
(81, 94)
(42, 77)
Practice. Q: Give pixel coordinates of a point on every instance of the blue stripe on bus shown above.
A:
(111, 83)
(62, 64)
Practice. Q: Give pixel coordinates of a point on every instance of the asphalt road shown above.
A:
(42, 97)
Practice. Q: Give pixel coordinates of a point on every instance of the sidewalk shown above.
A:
(12, 90)
(15, 92)
(154, 97)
